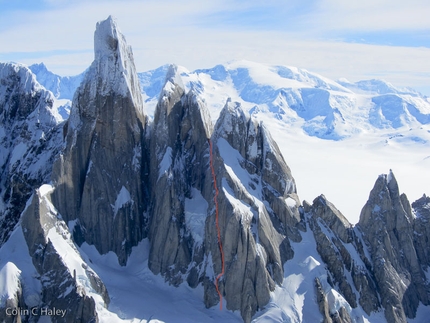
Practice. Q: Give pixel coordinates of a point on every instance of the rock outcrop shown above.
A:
(249, 171)
(30, 139)
(180, 182)
(258, 211)
(421, 208)
(387, 224)
(331, 246)
(381, 262)
(341, 249)
(100, 177)
(65, 280)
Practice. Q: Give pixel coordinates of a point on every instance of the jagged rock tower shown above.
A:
(100, 176)
(179, 181)
(258, 204)
(388, 222)
(259, 211)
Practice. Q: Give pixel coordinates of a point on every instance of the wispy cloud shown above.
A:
(376, 15)
(333, 37)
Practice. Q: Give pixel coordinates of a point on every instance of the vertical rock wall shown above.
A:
(100, 177)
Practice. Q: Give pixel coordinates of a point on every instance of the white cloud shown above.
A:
(367, 15)
(192, 33)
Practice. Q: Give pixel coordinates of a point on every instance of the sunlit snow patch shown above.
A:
(195, 215)
(122, 199)
(9, 282)
(166, 162)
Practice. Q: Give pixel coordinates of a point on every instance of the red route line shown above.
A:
(217, 225)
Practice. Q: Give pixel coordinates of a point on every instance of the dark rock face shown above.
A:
(388, 226)
(340, 316)
(179, 181)
(258, 211)
(255, 238)
(333, 218)
(322, 302)
(334, 254)
(421, 208)
(30, 138)
(364, 282)
(342, 251)
(100, 176)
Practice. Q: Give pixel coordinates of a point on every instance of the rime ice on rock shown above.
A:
(105, 137)
(115, 63)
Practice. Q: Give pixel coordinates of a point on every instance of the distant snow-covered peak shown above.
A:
(39, 67)
(18, 82)
(376, 86)
(61, 87)
(21, 73)
(275, 76)
(321, 107)
(303, 100)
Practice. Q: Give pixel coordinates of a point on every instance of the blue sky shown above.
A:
(336, 38)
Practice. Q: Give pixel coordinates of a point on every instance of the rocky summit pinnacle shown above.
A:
(114, 64)
(388, 223)
(100, 175)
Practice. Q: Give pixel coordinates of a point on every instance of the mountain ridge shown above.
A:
(130, 189)
(292, 77)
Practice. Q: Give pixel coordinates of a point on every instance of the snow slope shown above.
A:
(16, 265)
(137, 295)
(336, 136)
(294, 302)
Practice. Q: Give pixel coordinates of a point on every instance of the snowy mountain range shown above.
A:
(321, 107)
(62, 87)
(167, 196)
(370, 123)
